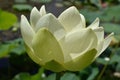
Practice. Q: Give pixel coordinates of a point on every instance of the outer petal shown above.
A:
(46, 47)
(104, 44)
(78, 42)
(34, 17)
(107, 41)
(81, 61)
(95, 24)
(70, 18)
(83, 20)
(32, 55)
(42, 11)
(26, 31)
(49, 65)
(52, 24)
(54, 66)
(99, 31)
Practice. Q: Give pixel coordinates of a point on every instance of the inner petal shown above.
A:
(70, 18)
(51, 23)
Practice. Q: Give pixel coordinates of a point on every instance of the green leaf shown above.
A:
(118, 67)
(111, 27)
(90, 15)
(94, 73)
(7, 20)
(112, 13)
(117, 37)
(69, 76)
(14, 46)
(115, 58)
(51, 77)
(38, 76)
(18, 46)
(101, 61)
(22, 7)
(42, 1)
(22, 76)
(4, 50)
(20, 1)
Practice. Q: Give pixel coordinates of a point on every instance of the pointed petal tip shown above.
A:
(42, 10)
(97, 19)
(34, 9)
(22, 16)
(43, 6)
(23, 19)
(112, 34)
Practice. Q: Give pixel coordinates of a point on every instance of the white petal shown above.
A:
(95, 24)
(107, 41)
(52, 24)
(78, 42)
(99, 31)
(42, 11)
(81, 25)
(26, 30)
(34, 16)
(83, 20)
(70, 18)
(99, 48)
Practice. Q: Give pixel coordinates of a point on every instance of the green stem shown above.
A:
(105, 66)
(101, 73)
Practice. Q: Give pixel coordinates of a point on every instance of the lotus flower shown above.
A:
(63, 43)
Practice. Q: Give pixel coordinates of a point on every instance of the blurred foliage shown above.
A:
(7, 20)
(15, 64)
(22, 7)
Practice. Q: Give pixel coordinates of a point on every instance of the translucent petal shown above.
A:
(26, 31)
(104, 44)
(34, 17)
(46, 47)
(107, 41)
(50, 22)
(42, 11)
(95, 24)
(78, 42)
(99, 48)
(81, 61)
(99, 31)
(70, 18)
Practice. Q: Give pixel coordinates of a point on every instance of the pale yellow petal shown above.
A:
(26, 31)
(104, 44)
(51, 23)
(70, 18)
(95, 24)
(99, 31)
(34, 17)
(46, 47)
(42, 11)
(107, 41)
